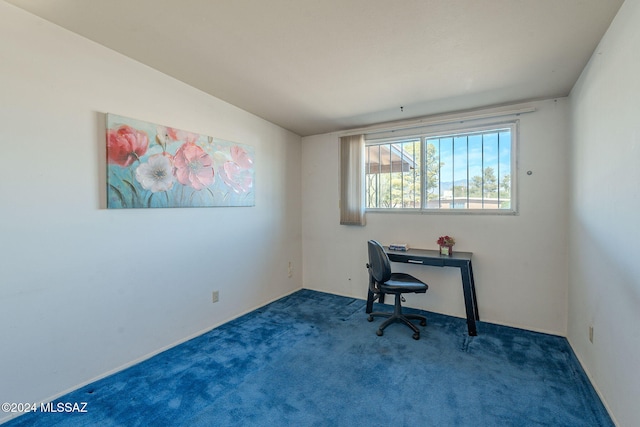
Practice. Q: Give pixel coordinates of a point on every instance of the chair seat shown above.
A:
(403, 283)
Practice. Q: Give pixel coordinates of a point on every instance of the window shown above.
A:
(469, 170)
(392, 174)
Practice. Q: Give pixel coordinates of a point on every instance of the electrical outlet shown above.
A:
(591, 333)
(214, 296)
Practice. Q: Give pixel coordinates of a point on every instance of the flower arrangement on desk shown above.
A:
(446, 244)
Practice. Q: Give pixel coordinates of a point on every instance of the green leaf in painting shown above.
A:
(210, 192)
(131, 187)
(119, 194)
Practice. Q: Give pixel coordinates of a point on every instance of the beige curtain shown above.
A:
(352, 180)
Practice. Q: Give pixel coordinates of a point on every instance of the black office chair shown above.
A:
(382, 281)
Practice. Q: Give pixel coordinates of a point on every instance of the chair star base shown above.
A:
(398, 316)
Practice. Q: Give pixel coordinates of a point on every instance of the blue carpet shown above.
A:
(312, 359)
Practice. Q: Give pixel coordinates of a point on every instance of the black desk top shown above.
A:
(429, 253)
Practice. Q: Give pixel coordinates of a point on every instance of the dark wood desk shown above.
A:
(461, 260)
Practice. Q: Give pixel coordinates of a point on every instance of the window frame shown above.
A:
(390, 141)
(460, 129)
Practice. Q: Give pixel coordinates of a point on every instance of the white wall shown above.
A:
(520, 262)
(85, 290)
(604, 288)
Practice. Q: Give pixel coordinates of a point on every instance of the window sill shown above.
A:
(501, 212)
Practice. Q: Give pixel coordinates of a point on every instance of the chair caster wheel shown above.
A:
(416, 336)
(379, 332)
(423, 323)
(370, 318)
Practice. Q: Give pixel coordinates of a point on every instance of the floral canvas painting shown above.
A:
(155, 166)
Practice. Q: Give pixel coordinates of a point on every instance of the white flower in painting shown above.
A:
(156, 174)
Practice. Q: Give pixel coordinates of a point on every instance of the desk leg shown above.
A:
(473, 290)
(371, 297)
(469, 300)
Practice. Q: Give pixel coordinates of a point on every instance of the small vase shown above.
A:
(446, 250)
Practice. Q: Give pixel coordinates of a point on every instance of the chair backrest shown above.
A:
(379, 264)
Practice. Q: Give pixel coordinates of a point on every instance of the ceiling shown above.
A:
(316, 66)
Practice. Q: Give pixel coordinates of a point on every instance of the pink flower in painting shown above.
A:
(241, 157)
(156, 174)
(181, 135)
(192, 166)
(239, 179)
(166, 135)
(236, 173)
(125, 145)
